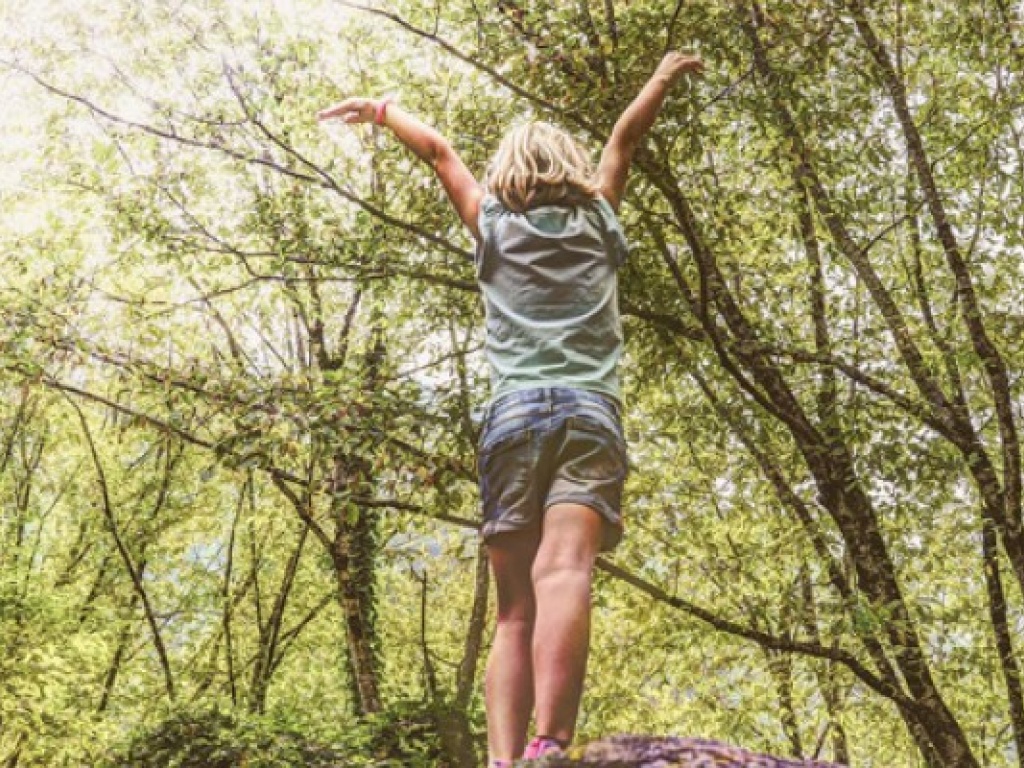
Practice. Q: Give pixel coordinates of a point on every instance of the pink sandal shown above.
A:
(542, 745)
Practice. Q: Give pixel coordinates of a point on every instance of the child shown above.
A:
(552, 457)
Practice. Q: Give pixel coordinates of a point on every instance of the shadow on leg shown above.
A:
(509, 682)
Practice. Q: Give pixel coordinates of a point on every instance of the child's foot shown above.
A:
(542, 745)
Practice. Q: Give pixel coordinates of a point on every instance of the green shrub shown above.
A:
(218, 738)
(403, 736)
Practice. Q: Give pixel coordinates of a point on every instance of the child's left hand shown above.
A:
(354, 110)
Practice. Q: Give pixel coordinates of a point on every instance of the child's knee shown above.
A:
(520, 613)
(565, 568)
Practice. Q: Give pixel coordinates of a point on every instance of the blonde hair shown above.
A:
(539, 164)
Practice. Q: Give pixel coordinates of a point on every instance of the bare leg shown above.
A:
(562, 574)
(509, 684)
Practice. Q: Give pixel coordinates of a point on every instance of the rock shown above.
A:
(667, 752)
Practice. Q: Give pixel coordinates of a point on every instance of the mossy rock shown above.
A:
(666, 752)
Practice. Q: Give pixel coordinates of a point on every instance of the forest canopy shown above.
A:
(241, 378)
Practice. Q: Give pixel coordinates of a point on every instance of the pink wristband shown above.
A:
(380, 114)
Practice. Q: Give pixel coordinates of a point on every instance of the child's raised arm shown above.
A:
(428, 145)
(636, 120)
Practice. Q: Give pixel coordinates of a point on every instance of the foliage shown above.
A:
(209, 736)
(241, 376)
(215, 738)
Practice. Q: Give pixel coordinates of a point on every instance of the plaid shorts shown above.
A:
(547, 446)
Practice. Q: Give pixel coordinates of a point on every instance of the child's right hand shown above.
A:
(353, 110)
(676, 64)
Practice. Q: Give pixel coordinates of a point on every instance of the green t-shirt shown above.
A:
(548, 278)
